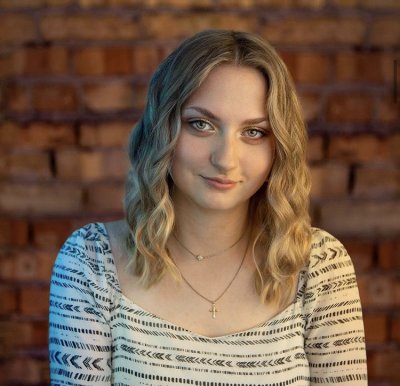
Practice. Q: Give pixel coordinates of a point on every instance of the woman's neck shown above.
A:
(207, 232)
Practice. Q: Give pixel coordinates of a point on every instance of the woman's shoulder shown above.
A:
(90, 239)
(321, 240)
(87, 254)
(327, 251)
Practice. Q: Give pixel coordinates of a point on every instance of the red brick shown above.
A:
(43, 199)
(395, 328)
(384, 365)
(313, 68)
(315, 148)
(115, 95)
(357, 148)
(345, 3)
(25, 165)
(17, 335)
(55, 97)
(8, 300)
(350, 107)
(6, 65)
(385, 31)
(11, 335)
(361, 218)
(51, 233)
(24, 371)
(393, 146)
(118, 60)
(237, 3)
(367, 3)
(310, 68)
(40, 331)
(116, 164)
(92, 3)
(388, 110)
(41, 61)
(181, 25)
(329, 180)
(377, 290)
(311, 105)
(17, 98)
(139, 96)
(27, 264)
(376, 328)
(145, 59)
(380, 4)
(9, 4)
(17, 29)
(10, 134)
(165, 3)
(290, 59)
(72, 164)
(92, 165)
(60, 2)
(361, 252)
(106, 198)
(321, 30)
(90, 27)
(387, 64)
(314, 4)
(389, 254)
(89, 61)
(36, 135)
(34, 300)
(115, 134)
(361, 67)
(377, 180)
(13, 232)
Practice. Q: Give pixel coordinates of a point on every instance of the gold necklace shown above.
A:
(213, 303)
(202, 257)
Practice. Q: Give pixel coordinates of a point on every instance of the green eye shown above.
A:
(199, 125)
(254, 133)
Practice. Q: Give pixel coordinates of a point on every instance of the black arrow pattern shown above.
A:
(98, 337)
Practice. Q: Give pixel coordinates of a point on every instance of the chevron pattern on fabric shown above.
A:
(99, 336)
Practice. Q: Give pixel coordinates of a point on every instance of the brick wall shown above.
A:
(73, 76)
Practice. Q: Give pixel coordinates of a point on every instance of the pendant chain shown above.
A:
(202, 257)
(213, 302)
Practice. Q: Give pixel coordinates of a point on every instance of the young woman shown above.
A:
(215, 276)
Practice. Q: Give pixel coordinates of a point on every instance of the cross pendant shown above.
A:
(213, 310)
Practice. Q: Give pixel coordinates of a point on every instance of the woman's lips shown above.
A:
(220, 183)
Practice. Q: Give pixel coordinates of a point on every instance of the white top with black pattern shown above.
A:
(99, 337)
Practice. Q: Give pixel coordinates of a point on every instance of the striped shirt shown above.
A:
(97, 336)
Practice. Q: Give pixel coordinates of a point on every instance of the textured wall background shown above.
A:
(73, 77)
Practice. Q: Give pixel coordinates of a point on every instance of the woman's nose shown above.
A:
(224, 155)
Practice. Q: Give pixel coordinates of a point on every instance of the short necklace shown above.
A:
(202, 257)
(213, 303)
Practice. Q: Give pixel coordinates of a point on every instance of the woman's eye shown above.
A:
(200, 125)
(254, 133)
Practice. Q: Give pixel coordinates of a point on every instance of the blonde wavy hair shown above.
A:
(279, 210)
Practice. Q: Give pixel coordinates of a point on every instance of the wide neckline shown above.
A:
(177, 327)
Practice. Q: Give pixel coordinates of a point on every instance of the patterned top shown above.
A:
(100, 337)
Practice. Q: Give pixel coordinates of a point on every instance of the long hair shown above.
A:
(279, 210)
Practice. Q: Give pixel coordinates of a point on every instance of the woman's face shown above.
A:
(225, 149)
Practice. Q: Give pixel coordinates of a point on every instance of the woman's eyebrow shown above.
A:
(203, 111)
(212, 116)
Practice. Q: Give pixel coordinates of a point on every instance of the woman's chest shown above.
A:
(208, 313)
(150, 351)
